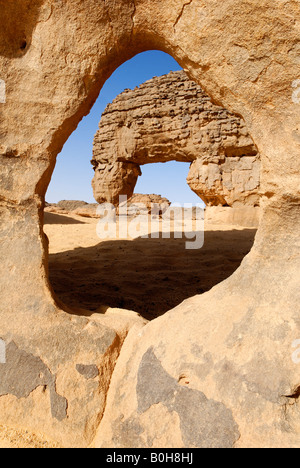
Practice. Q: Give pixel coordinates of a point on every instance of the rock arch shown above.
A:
(245, 54)
(172, 118)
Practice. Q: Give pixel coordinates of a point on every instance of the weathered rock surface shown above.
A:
(172, 118)
(238, 342)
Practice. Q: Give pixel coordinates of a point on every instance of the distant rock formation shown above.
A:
(137, 204)
(146, 204)
(73, 207)
(171, 118)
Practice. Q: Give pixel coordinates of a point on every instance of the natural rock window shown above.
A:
(168, 119)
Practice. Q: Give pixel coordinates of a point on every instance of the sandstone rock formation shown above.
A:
(172, 118)
(231, 354)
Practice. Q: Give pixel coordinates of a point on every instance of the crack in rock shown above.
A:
(181, 13)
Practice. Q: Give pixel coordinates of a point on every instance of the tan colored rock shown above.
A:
(234, 182)
(172, 118)
(238, 342)
(112, 180)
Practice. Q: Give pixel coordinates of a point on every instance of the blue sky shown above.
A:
(73, 173)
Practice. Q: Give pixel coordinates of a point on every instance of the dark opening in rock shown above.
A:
(23, 45)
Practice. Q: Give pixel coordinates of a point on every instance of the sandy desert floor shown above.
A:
(149, 276)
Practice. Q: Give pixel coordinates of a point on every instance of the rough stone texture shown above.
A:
(234, 343)
(172, 118)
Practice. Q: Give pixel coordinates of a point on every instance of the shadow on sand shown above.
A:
(149, 276)
(52, 218)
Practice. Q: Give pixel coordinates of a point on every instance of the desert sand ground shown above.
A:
(149, 276)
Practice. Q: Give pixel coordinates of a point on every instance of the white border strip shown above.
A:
(2, 352)
(2, 92)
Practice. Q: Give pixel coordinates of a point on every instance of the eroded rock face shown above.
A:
(237, 343)
(171, 118)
